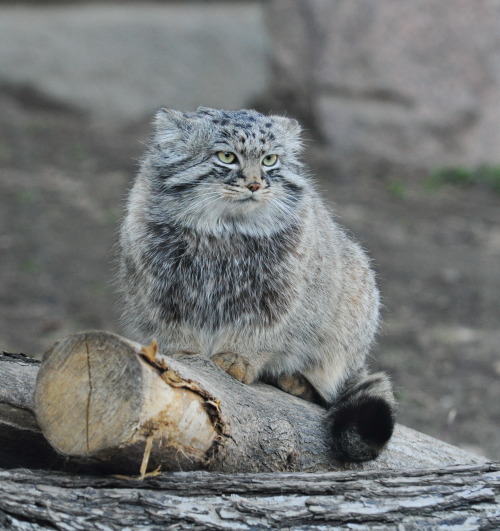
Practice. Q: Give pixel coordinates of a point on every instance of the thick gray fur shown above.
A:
(244, 264)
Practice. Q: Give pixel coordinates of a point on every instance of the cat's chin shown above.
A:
(252, 198)
(253, 218)
(244, 206)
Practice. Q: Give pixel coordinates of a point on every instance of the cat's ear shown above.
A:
(289, 125)
(170, 125)
(183, 129)
(290, 129)
(208, 111)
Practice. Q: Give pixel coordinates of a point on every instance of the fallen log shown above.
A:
(88, 382)
(103, 401)
(466, 497)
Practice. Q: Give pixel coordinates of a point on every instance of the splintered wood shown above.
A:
(99, 395)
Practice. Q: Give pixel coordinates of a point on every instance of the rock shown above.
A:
(121, 62)
(390, 83)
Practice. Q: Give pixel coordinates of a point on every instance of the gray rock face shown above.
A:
(413, 83)
(121, 62)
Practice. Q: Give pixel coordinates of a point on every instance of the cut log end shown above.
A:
(97, 395)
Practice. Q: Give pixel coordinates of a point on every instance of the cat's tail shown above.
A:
(361, 420)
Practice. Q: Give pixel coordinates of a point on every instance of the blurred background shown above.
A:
(401, 105)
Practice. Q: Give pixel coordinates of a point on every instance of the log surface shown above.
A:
(464, 498)
(411, 486)
(261, 429)
(21, 439)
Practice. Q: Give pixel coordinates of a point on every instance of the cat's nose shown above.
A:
(253, 187)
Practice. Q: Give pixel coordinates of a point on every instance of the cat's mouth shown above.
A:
(253, 197)
(257, 195)
(244, 195)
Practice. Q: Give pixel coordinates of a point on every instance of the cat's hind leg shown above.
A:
(295, 384)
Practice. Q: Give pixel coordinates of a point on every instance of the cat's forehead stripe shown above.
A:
(249, 143)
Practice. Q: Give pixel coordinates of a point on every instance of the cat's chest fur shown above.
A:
(211, 281)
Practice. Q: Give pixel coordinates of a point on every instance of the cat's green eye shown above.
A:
(226, 157)
(270, 160)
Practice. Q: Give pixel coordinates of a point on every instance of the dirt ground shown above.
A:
(62, 186)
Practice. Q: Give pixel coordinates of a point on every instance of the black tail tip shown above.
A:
(360, 430)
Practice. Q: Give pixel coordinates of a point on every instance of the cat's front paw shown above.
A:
(235, 365)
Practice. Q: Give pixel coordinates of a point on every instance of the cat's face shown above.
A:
(213, 167)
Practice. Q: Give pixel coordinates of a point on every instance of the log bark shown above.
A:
(90, 381)
(21, 441)
(465, 498)
(104, 401)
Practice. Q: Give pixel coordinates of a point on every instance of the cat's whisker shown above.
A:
(196, 208)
